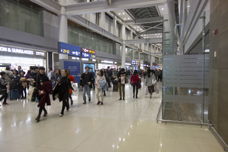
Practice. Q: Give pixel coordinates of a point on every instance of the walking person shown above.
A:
(122, 80)
(44, 90)
(23, 85)
(62, 89)
(100, 84)
(150, 81)
(14, 86)
(3, 88)
(72, 80)
(86, 82)
(136, 83)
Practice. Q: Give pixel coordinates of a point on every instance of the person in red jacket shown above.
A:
(136, 83)
(72, 80)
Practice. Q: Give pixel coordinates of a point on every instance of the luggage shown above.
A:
(115, 87)
(156, 89)
(14, 94)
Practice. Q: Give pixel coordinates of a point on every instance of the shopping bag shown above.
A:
(30, 92)
(156, 89)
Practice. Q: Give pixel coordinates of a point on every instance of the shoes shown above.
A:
(89, 99)
(60, 115)
(120, 99)
(84, 102)
(37, 119)
(98, 102)
(102, 103)
(123, 98)
(45, 114)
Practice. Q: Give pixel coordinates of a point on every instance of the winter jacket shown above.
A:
(135, 79)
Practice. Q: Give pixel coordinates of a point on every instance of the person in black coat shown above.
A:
(62, 90)
(43, 95)
(3, 88)
(86, 82)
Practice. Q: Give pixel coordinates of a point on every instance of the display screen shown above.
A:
(90, 65)
(69, 49)
(88, 53)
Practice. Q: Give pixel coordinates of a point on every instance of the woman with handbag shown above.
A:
(150, 81)
(136, 84)
(62, 90)
(100, 84)
(122, 80)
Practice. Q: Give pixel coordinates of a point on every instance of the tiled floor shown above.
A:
(118, 126)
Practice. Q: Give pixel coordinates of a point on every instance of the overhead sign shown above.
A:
(20, 51)
(134, 62)
(69, 49)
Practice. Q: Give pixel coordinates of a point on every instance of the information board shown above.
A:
(69, 49)
(74, 67)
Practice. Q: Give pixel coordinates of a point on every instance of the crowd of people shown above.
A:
(38, 86)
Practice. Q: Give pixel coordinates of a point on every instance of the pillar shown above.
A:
(63, 31)
(123, 31)
(139, 54)
(115, 26)
(102, 20)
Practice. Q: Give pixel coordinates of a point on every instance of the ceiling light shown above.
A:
(162, 9)
(188, 6)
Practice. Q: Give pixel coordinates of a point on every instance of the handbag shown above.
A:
(139, 85)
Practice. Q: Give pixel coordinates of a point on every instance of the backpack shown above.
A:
(102, 83)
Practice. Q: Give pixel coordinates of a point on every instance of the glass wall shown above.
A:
(83, 37)
(185, 88)
(22, 16)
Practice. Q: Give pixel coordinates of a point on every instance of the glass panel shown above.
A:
(21, 17)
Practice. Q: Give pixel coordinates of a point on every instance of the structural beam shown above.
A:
(49, 5)
(109, 2)
(103, 6)
(153, 27)
(149, 40)
(146, 20)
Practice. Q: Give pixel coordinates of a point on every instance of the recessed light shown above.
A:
(162, 9)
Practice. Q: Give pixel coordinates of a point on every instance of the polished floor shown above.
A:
(117, 126)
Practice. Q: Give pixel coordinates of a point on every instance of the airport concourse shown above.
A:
(113, 76)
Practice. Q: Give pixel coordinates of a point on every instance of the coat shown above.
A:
(149, 81)
(62, 89)
(72, 80)
(46, 87)
(135, 79)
